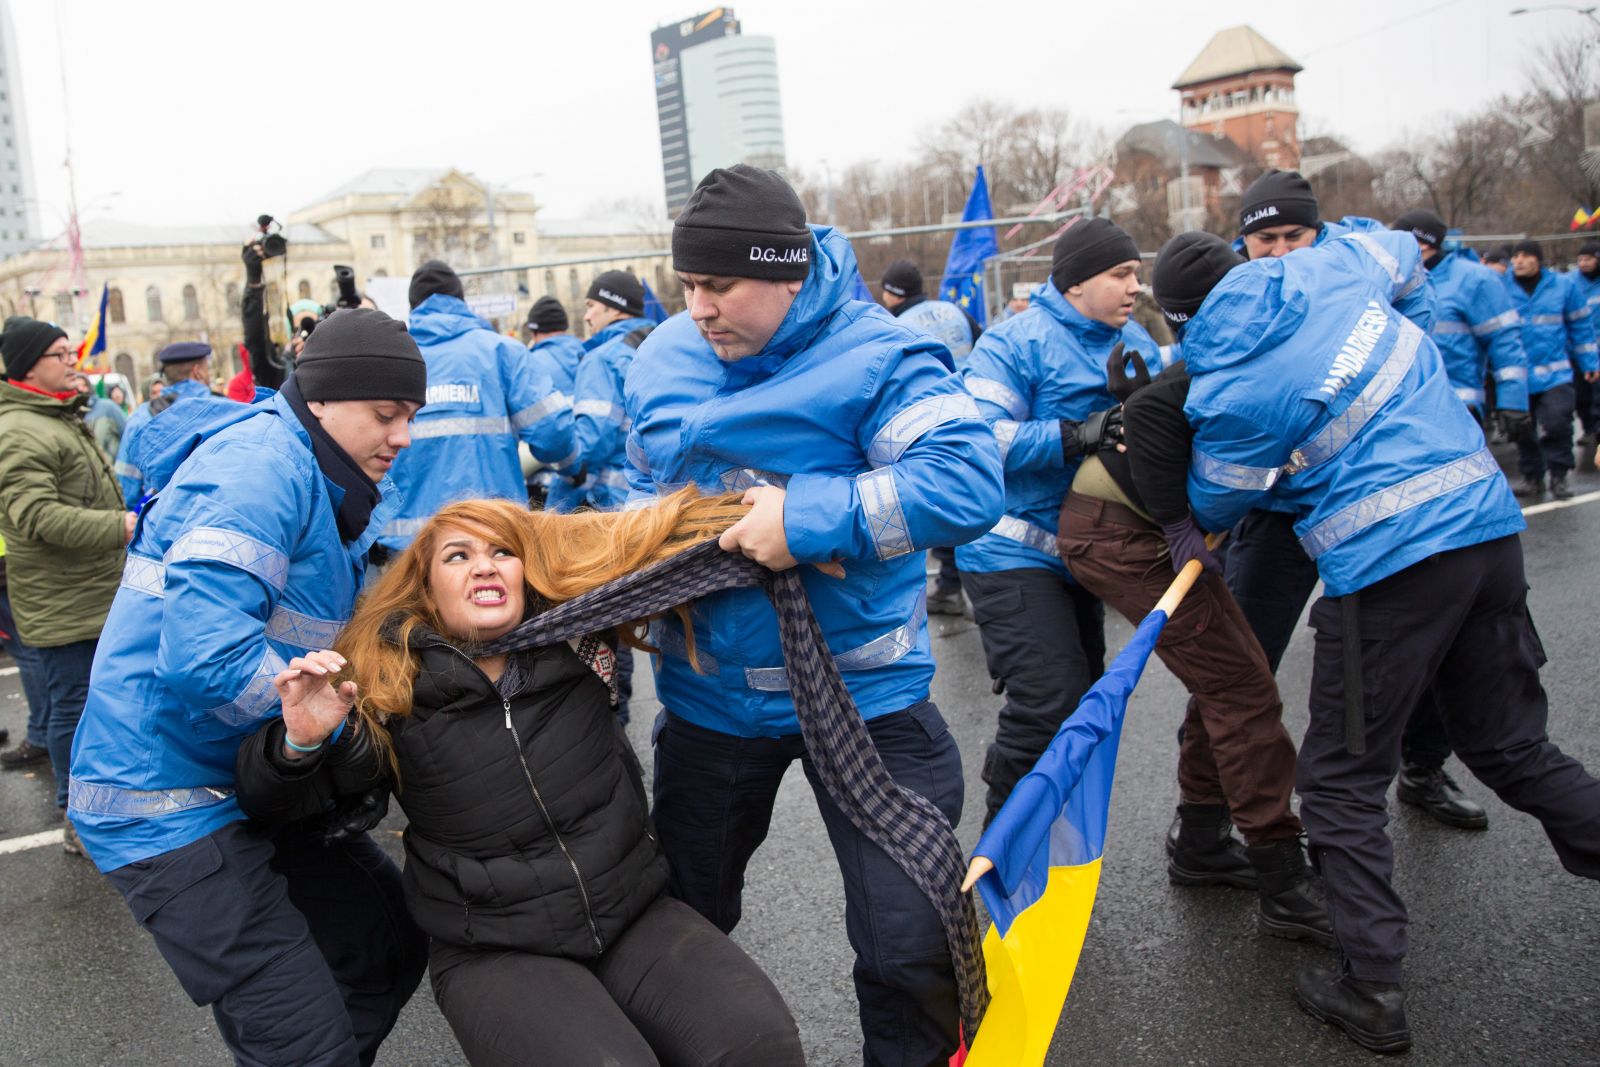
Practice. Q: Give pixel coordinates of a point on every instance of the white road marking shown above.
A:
(7, 670)
(22, 844)
(1556, 505)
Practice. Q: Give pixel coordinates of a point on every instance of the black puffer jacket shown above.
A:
(529, 826)
(528, 821)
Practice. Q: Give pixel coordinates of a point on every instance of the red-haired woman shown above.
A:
(530, 859)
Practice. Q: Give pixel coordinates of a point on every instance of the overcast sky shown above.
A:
(200, 111)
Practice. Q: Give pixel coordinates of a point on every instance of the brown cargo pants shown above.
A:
(1235, 749)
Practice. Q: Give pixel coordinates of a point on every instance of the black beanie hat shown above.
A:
(1088, 248)
(743, 222)
(1278, 198)
(434, 276)
(1532, 248)
(1424, 225)
(618, 289)
(1590, 247)
(902, 278)
(24, 342)
(547, 316)
(361, 354)
(1497, 255)
(1188, 268)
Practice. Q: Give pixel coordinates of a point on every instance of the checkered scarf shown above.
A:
(906, 825)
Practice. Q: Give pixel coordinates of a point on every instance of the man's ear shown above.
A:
(794, 285)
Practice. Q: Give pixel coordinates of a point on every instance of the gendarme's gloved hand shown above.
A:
(1102, 429)
(1186, 541)
(1514, 424)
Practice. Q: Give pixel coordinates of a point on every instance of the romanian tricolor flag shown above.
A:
(94, 342)
(1045, 845)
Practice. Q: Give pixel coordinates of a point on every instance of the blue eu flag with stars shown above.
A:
(963, 271)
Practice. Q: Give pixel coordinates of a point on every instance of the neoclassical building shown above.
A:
(173, 283)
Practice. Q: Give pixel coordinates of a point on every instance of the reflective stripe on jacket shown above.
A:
(1366, 442)
(882, 453)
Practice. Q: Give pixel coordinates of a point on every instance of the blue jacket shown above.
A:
(882, 453)
(126, 467)
(558, 357)
(599, 417)
(1589, 291)
(483, 396)
(1475, 329)
(1309, 384)
(236, 568)
(1557, 330)
(943, 320)
(1043, 365)
(1420, 309)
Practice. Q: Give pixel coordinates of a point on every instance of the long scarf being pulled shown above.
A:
(906, 825)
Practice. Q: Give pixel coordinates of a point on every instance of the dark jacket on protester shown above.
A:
(528, 821)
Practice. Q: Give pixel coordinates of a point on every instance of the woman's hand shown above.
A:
(312, 708)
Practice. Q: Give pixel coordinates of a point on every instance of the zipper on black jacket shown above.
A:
(538, 799)
(588, 908)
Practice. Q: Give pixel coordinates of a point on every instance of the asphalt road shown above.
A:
(1505, 963)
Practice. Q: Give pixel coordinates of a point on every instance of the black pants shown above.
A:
(1586, 400)
(1548, 443)
(1271, 577)
(713, 804)
(1044, 636)
(949, 576)
(305, 953)
(672, 990)
(1457, 621)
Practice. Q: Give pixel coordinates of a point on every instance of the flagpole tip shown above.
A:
(980, 866)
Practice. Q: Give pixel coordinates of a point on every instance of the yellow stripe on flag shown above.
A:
(1031, 968)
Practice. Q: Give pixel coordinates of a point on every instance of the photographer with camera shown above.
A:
(268, 364)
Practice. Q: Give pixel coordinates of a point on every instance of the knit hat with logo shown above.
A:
(1278, 198)
(618, 289)
(743, 222)
(361, 354)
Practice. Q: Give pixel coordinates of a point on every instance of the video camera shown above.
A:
(349, 297)
(273, 243)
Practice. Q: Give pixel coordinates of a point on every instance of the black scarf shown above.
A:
(360, 492)
(903, 823)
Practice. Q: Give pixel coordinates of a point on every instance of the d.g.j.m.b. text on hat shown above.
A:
(743, 222)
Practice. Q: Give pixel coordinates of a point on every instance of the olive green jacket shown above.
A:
(61, 517)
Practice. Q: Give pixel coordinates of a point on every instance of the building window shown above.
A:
(191, 304)
(380, 273)
(574, 287)
(550, 282)
(304, 289)
(64, 307)
(152, 303)
(518, 237)
(114, 308)
(377, 242)
(233, 297)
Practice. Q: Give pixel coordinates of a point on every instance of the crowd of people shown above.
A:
(244, 627)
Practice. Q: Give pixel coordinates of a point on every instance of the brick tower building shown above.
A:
(1241, 86)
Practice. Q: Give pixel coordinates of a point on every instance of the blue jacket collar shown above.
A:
(613, 330)
(441, 317)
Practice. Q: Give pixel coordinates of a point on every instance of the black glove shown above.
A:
(1122, 384)
(356, 815)
(252, 264)
(1102, 429)
(1514, 424)
(1186, 541)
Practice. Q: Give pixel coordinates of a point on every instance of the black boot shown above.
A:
(1292, 904)
(1559, 489)
(1436, 793)
(1372, 1013)
(1532, 487)
(1206, 852)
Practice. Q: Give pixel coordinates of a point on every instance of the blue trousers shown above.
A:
(26, 657)
(304, 952)
(65, 671)
(713, 804)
